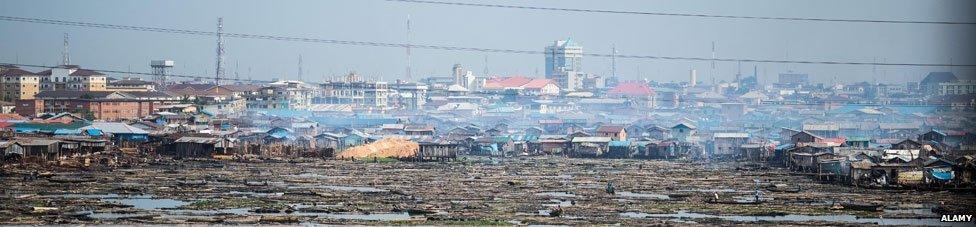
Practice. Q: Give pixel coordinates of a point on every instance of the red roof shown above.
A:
(537, 83)
(610, 129)
(11, 117)
(507, 82)
(834, 140)
(632, 89)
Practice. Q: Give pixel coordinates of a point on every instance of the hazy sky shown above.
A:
(382, 21)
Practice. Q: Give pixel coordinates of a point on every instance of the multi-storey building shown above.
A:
(962, 87)
(363, 95)
(72, 78)
(282, 95)
(410, 96)
(18, 84)
(99, 105)
(564, 64)
(131, 84)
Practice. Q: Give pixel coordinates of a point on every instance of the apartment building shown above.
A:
(16, 84)
(72, 78)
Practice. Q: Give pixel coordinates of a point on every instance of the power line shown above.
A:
(810, 103)
(137, 73)
(449, 48)
(683, 14)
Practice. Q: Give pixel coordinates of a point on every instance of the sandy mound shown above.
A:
(383, 148)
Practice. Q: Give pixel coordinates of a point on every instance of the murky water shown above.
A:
(146, 203)
(556, 194)
(643, 195)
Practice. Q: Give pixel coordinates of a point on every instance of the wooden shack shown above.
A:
(436, 150)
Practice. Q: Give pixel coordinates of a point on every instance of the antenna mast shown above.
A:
(299, 67)
(65, 59)
(613, 60)
(409, 77)
(220, 51)
(712, 72)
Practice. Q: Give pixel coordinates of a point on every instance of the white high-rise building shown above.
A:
(564, 61)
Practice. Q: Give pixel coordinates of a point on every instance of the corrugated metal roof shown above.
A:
(116, 128)
(591, 139)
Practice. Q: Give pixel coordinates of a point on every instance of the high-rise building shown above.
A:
(792, 78)
(564, 60)
(458, 74)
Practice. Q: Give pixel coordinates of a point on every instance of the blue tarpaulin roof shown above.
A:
(67, 132)
(942, 175)
(94, 132)
(622, 143)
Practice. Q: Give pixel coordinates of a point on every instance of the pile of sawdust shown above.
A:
(383, 148)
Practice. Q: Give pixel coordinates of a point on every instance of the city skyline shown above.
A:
(121, 50)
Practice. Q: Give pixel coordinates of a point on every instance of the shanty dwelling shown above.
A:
(754, 152)
(524, 144)
(938, 172)
(590, 146)
(635, 131)
(932, 135)
(805, 158)
(899, 167)
(659, 150)
(553, 144)
(146, 126)
(786, 134)
(304, 142)
(485, 146)
(493, 132)
(619, 149)
(657, 132)
(80, 145)
(858, 142)
(864, 174)
(615, 132)
(828, 130)
(906, 144)
(436, 150)
(898, 130)
(805, 137)
(727, 145)
(35, 149)
(394, 129)
(965, 170)
(339, 142)
(683, 131)
(191, 146)
(553, 125)
(419, 130)
(505, 144)
(277, 135)
(121, 134)
(537, 131)
(328, 142)
(834, 168)
(305, 128)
